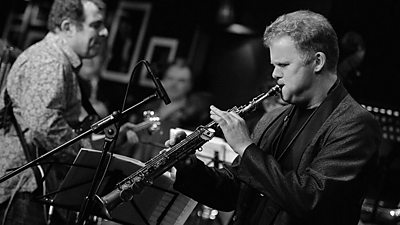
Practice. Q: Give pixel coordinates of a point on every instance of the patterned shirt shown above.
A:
(43, 87)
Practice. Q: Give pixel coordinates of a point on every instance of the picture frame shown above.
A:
(31, 16)
(160, 50)
(39, 14)
(127, 32)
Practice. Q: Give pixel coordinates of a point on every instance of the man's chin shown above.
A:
(284, 95)
(93, 51)
(286, 99)
(90, 55)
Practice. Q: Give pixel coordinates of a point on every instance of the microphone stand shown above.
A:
(111, 132)
(108, 124)
(111, 129)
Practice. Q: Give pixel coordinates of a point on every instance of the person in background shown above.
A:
(352, 52)
(43, 90)
(305, 163)
(187, 110)
(90, 77)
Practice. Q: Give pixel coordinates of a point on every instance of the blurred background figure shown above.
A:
(187, 110)
(42, 99)
(89, 79)
(352, 54)
(91, 86)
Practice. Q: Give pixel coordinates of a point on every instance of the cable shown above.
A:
(129, 83)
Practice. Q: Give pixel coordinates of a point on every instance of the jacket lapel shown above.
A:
(304, 138)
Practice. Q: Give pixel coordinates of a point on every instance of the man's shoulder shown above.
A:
(349, 111)
(42, 48)
(351, 108)
(41, 52)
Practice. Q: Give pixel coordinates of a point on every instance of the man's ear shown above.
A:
(319, 62)
(66, 26)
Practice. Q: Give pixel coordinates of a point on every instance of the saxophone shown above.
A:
(166, 159)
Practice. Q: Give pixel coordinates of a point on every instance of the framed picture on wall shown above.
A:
(161, 50)
(127, 32)
(39, 14)
(25, 22)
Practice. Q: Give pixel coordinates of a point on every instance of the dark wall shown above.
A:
(233, 67)
(236, 68)
(227, 67)
(377, 22)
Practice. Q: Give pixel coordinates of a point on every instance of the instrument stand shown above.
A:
(111, 134)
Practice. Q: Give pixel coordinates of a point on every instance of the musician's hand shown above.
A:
(234, 128)
(127, 134)
(131, 137)
(175, 138)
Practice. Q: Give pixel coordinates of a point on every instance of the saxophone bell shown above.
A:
(103, 205)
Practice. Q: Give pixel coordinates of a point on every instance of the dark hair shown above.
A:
(69, 9)
(311, 33)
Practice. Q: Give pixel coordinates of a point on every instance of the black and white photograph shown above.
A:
(212, 112)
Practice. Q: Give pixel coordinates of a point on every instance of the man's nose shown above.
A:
(275, 73)
(104, 32)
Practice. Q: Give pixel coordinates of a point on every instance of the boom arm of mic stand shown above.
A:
(106, 123)
(100, 125)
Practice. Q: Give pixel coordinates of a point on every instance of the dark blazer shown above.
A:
(335, 151)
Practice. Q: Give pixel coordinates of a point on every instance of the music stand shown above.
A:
(156, 204)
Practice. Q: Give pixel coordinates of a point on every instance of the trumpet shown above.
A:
(167, 158)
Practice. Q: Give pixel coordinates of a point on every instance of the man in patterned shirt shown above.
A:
(43, 88)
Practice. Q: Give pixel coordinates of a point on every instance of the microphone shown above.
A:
(160, 89)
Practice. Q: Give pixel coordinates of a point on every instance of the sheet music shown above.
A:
(155, 204)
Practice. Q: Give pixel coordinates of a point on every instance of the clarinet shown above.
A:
(167, 158)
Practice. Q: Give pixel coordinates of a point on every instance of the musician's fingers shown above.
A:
(235, 115)
(215, 111)
(173, 173)
(175, 138)
(127, 126)
(222, 117)
(168, 143)
(132, 137)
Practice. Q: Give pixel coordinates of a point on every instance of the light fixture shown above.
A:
(225, 13)
(238, 28)
(230, 20)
